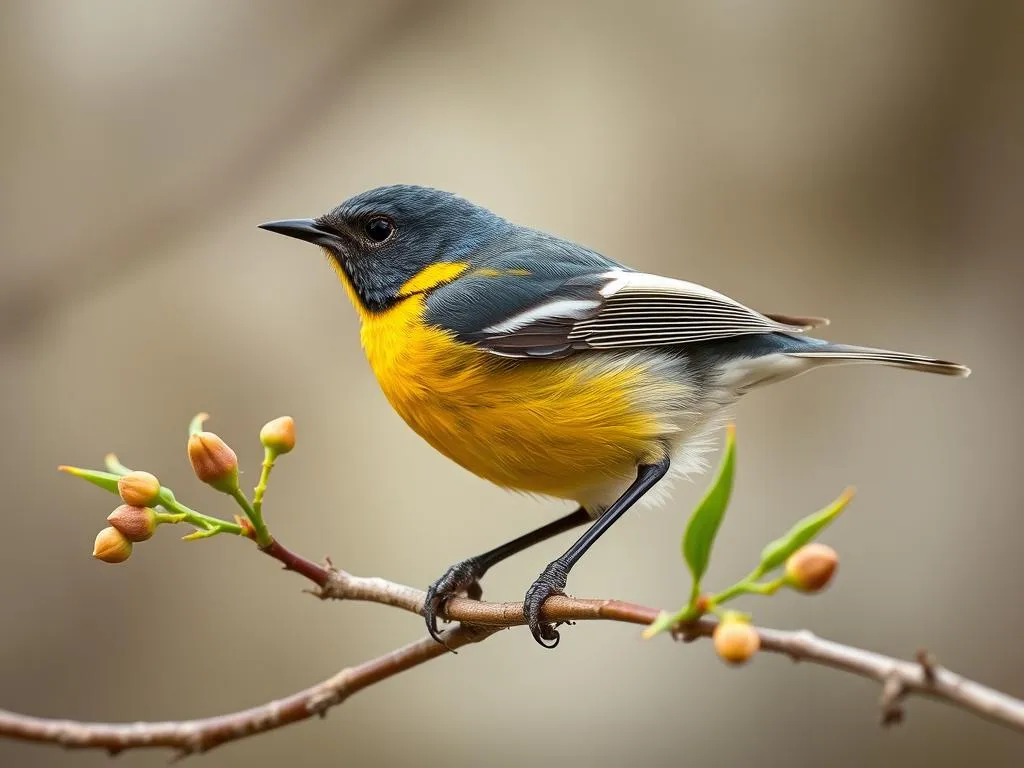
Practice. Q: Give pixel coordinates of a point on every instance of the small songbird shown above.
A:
(545, 367)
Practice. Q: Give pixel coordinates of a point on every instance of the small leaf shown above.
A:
(707, 517)
(196, 425)
(104, 480)
(778, 551)
(664, 622)
(200, 534)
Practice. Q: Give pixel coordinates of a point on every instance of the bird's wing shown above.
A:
(614, 309)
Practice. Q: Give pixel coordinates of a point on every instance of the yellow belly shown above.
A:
(549, 427)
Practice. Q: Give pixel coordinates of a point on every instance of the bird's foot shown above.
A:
(461, 577)
(550, 582)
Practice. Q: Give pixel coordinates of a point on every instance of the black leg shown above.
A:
(552, 579)
(467, 574)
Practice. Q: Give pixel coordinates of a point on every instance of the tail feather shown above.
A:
(840, 354)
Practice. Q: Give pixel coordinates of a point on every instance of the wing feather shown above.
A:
(620, 309)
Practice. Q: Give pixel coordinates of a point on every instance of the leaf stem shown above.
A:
(261, 487)
(749, 586)
(263, 537)
(205, 523)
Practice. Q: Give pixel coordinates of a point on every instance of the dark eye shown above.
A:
(379, 229)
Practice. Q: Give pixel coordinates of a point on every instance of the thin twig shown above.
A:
(479, 620)
(189, 736)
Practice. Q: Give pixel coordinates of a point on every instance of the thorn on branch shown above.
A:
(928, 663)
(796, 649)
(893, 691)
(685, 633)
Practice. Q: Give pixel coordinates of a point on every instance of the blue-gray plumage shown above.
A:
(498, 299)
(567, 292)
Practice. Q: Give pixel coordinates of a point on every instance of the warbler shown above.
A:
(546, 367)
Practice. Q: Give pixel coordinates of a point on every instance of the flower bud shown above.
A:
(279, 435)
(134, 523)
(139, 489)
(111, 546)
(810, 568)
(735, 641)
(213, 461)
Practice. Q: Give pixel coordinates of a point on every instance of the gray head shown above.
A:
(382, 238)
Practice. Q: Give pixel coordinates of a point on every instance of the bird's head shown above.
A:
(392, 242)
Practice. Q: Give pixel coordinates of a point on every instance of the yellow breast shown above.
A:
(549, 427)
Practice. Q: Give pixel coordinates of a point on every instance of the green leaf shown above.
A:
(707, 517)
(778, 551)
(104, 480)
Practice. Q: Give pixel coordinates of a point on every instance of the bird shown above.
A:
(546, 367)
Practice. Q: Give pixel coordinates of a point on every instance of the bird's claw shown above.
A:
(550, 582)
(461, 577)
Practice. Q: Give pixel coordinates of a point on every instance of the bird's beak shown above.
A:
(303, 229)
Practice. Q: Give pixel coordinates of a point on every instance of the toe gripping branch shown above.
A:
(462, 577)
(551, 581)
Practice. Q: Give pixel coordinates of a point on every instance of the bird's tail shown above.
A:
(845, 354)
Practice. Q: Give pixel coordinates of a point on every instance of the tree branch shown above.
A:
(190, 736)
(478, 620)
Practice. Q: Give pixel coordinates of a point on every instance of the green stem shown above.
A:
(767, 588)
(728, 594)
(694, 597)
(263, 537)
(164, 517)
(261, 487)
(749, 586)
(183, 514)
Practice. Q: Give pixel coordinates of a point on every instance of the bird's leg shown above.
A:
(466, 575)
(552, 579)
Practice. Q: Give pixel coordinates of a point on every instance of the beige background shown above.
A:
(861, 160)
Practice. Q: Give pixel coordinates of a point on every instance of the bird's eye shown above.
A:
(379, 229)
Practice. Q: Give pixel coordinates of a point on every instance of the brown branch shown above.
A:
(190, 736)
(479, 620)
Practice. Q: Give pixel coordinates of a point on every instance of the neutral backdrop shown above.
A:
(859, 160)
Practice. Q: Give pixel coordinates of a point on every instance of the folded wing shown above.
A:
(618, 309)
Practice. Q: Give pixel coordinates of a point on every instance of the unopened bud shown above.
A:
(736, 641)
(213, 461)
(111, 546)
(279, 435)
(811, 567)
(135, 523)
(140, 489)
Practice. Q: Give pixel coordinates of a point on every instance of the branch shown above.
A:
(899, 678)
(479, 620)
(190, 736)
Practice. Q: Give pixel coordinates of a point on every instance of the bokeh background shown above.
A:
(860, 160)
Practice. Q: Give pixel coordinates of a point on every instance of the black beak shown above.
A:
(303, 229)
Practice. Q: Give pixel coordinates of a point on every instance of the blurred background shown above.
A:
(860, 160)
